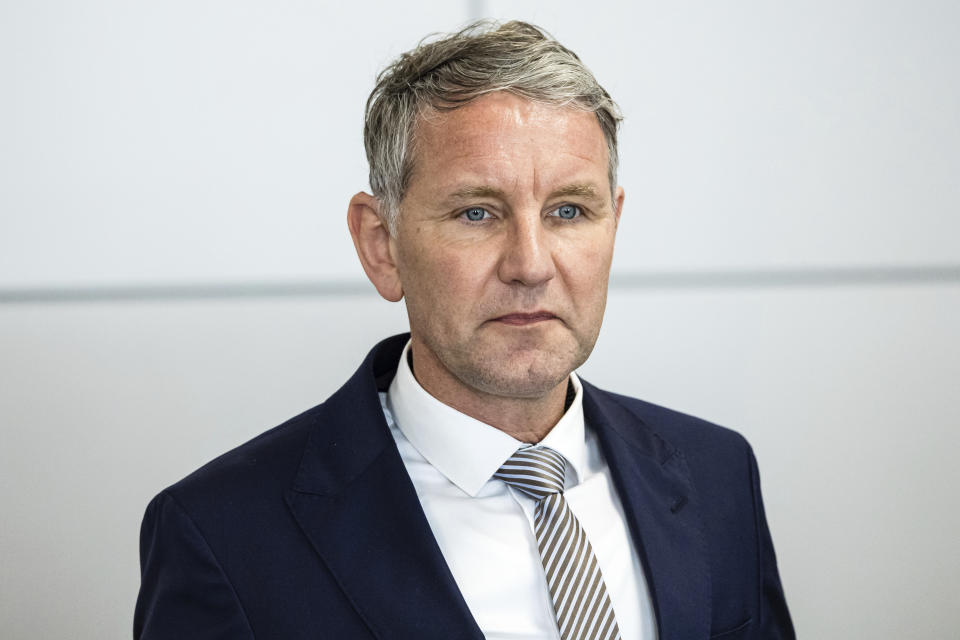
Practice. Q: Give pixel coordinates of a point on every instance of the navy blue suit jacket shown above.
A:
(314, 530)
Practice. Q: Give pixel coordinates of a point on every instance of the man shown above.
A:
(465, 483)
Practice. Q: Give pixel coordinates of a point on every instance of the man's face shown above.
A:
(504, 244)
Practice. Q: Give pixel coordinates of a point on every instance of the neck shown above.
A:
(526, 419)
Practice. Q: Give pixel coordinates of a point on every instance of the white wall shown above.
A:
(767, 151)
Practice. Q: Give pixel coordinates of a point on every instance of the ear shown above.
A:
(373, 242)
(618, 205)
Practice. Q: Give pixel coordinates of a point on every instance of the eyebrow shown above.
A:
(477, 191)
(578, 189)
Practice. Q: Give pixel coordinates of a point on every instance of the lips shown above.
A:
(526, 318)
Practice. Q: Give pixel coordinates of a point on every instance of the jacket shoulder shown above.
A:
(262, 466)
(689, 434)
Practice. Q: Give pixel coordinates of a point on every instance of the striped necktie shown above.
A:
(580, 599)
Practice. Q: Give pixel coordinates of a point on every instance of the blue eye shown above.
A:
(568, 211)
(476, 214)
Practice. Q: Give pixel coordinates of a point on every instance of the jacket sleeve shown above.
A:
(184, 593)
(774, 616)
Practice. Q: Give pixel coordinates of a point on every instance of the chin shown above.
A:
(507, 386)
(520, 374)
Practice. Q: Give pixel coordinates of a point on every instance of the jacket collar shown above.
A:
(355, 502)
(661, 506)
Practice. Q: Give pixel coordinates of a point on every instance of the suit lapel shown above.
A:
(660, 504)
(355, 502)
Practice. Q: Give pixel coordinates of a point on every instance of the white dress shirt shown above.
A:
(485, 528)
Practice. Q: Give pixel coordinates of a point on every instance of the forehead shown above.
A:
(503, 133)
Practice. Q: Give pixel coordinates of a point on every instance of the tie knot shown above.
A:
(536, 471)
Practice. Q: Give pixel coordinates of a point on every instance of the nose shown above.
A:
(527, 254)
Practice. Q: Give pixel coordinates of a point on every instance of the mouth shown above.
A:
(522, 319)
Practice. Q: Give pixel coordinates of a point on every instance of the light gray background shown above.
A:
(176, 274)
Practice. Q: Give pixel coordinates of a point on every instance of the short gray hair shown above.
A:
(446, 73)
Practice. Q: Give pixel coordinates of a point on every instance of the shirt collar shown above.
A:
(468, 452)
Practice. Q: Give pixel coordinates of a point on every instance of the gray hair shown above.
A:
(447, 73)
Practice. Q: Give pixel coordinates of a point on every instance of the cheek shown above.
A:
(587, 287)
(587, 269)
(442, 285)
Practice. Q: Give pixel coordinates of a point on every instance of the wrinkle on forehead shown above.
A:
(510, 143)
(496, 113)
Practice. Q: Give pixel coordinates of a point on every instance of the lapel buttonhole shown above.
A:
(678, 504)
